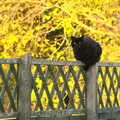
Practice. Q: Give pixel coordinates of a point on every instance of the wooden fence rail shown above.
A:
(35, 89)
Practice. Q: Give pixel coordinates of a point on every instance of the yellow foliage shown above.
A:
(24, 24)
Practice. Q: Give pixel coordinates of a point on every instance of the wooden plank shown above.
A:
(58, 113)
(24, 88)
(59, 62)
(92, 94)
(112, 113)
(108, 110)
(103, 113)
(112, 64)
(46, 114)
(10, 61)
(8, 115)
(55, 62)
(61, 118)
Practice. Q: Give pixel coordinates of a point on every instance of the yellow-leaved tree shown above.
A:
(24, 25)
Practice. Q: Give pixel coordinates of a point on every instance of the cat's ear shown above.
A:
(81, 39)
(73, 38)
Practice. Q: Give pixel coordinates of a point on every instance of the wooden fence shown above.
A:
(35, 89)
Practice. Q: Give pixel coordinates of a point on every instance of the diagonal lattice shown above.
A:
(8, 78)
(51, 83)
(109, 86)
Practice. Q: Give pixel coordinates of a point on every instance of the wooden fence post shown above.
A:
(92, 93)
(24, 88)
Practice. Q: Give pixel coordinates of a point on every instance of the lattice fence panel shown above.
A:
(8, 79)
(109, 86)
(54, 85)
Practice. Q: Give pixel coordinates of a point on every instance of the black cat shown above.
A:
(86, 50)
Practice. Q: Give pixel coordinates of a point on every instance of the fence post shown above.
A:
(24, 88)
(92, 93)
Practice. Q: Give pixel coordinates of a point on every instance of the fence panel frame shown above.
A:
(24, 88)
(92, 93)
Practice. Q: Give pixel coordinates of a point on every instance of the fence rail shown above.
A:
(28, 84)
(54, 62)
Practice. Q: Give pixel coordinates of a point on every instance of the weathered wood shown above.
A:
(110, 64)
(109, 113)
(24, 88)
(59, 113)
(55, 62)
(92, 93)
(7, 88)
(81, 95)
(46, 88)
(60, 118)
(10, 61)
(54, 78)
(7, 116)
(107, 71)
(65, 78)
(103, 114)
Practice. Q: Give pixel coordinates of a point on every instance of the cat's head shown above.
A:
(76, 41)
